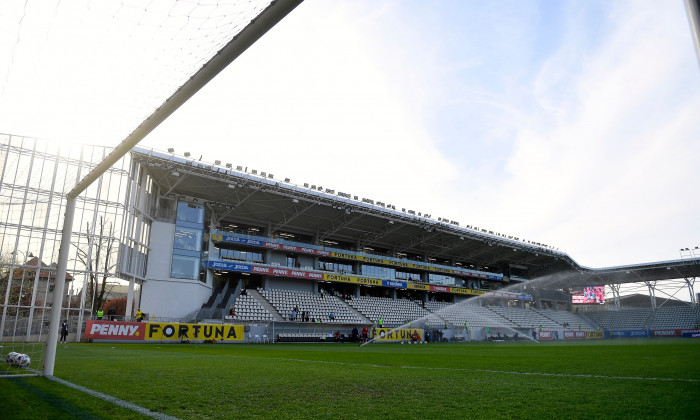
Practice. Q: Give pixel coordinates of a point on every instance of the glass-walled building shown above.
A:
(35, 176)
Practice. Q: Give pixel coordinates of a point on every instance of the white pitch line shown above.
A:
(114, 400)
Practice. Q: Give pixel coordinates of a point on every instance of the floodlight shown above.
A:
(171, 150)
(187, 154)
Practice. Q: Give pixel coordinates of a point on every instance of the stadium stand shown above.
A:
(393, 312)
(247, 308)
(676, 317)
(565, 319)
(632, 319)
(476, 315)
(319, 308)
(525, 318)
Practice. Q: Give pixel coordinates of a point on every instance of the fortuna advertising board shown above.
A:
(145, 331)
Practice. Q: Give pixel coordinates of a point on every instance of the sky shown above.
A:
(570, 123)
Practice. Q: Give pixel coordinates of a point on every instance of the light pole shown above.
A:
(690, 281)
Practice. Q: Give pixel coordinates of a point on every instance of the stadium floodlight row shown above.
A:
(192, 236)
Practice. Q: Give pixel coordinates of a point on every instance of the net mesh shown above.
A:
(82, 69)
(12, 362)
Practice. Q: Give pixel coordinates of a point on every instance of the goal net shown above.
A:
(21, 359)
(79, 71)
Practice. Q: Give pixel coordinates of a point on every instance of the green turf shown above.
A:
(595, 379)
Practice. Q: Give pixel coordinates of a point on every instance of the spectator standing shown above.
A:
(139, 315)
(100, 313)
(64, 331)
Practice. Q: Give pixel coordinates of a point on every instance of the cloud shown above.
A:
(604, 167)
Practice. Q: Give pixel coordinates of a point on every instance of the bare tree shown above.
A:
(97, 255)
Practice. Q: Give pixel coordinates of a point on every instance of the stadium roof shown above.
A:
(262, 200)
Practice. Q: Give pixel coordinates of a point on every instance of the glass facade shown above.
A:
(441, 279)
(335, 267)
(402, 275)
(241, 255)
(190, 213)
(378, 272)
(187, 243)
(188, 239)
(185, 267)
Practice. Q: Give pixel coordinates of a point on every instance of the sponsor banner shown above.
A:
(510, 295)
(695, 333)
(398, 334)
(176, 331)
(294, 248)
(344, 278)
(286, 272)
(545, 335)
(574, 335)
(145, 331)
(113, 330)
(665, 333)
(594, 334)
(630, 333)
(352, 279)
(314, 250)
(223, 265)
(394, 283)
(236, 240)
(442, 270)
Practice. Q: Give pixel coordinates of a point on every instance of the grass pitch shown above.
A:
(593, 379)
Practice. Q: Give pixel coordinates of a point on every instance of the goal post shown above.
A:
(269, 17)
